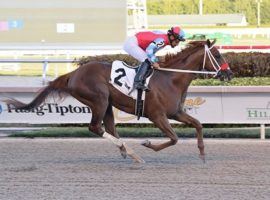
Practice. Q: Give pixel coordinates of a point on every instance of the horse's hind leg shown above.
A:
(109, 124)
(187, 119)
(102, 110)
(97, 100)
(99, 109)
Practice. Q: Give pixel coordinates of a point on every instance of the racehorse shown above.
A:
(90, 84)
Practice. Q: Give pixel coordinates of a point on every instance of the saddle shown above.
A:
(122, 78)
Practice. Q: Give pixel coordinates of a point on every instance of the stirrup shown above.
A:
(139, 87)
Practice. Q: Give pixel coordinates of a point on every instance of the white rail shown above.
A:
(45, 63)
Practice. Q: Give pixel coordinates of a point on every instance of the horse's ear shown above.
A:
(213, 42)
(208, 43)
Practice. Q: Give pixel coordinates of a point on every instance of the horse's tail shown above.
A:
(58, 88)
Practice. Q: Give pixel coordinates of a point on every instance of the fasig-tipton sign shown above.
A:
(67, 111)
(208, 107)
(52, 108)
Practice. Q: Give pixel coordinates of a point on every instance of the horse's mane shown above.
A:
(190, 48)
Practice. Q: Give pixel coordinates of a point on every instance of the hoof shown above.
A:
(136, 158)
(137, 161)
(146, 143)
(123, 152)
(202, 157)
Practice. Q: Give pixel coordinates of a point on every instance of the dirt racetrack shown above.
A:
(66, 169)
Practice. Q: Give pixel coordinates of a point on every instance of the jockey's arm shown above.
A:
(153, 47)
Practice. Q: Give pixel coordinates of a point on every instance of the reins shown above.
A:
(186, 71)
(212, 59)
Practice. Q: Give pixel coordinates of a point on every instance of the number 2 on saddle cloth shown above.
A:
(122, 78)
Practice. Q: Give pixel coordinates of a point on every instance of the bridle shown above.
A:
(216, 66)
(207, 53)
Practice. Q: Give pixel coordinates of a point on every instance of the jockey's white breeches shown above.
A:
(132, 47)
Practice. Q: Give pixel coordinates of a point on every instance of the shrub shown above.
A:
(252, 64)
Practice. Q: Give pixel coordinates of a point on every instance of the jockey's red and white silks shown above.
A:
(144, 45)
(132, 47)
(145, 38)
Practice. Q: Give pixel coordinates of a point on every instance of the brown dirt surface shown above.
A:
(74, 169)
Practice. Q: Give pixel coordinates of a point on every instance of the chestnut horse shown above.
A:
(90, 84)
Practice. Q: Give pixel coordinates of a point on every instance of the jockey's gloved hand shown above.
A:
(155, 65)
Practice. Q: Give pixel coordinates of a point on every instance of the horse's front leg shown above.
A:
(163, 124)
(187, 119)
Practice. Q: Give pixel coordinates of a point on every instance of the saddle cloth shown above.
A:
(122, 78)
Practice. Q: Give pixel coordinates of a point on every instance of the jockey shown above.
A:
(143, 47)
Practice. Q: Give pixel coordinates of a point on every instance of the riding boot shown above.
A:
(139, 80)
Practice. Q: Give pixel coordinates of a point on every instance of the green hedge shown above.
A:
(110, 58)
(249, 64)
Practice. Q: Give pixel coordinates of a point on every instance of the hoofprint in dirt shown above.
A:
(94, 169)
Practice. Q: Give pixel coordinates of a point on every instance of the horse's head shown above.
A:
(213, 60)
(202, 55)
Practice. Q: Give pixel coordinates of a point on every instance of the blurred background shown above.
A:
(58, 29)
